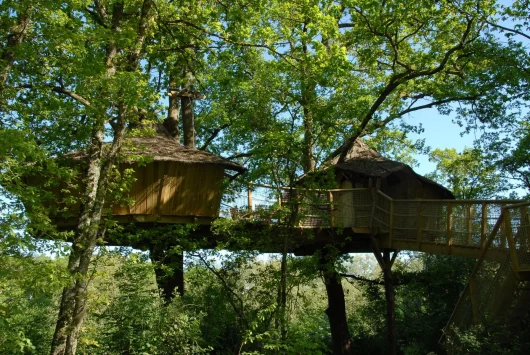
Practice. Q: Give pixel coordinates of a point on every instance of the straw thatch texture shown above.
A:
(364, 162)
(162, 147)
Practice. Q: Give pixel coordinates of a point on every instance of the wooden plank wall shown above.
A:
(175, 189)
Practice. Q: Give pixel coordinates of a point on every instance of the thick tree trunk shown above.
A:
(386, 261)
(7, 55)
(169, 270)
(14, 39)
(186, 101)
(307, 99)
(81, 253)
(390, 303)
(171, 123)
(282, 295)
(74, 297)
(309, 141)
(336, 310)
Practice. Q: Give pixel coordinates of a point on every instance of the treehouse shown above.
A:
(172, 183)
(363, 172)
(364, 166)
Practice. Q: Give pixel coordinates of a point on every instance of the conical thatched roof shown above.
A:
(163, 147)
(365, 161)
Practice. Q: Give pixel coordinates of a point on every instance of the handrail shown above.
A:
(490, 239)
(504, 218)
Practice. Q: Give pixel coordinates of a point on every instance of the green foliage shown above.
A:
(468, 175)
(29, 288)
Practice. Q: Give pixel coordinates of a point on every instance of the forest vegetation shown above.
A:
(280, 87)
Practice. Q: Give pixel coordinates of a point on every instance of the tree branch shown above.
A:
(394, 81)
(59, 90)
(512, 30)
(214, 135)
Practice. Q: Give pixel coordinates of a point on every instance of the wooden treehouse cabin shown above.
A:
(172, 184)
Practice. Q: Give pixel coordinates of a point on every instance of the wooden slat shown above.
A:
(449, 223)
(484, 223)
(331, 209)
(469, 226)
(511, 242)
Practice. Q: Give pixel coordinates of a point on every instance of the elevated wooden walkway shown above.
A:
(449, 227)
(496, 232)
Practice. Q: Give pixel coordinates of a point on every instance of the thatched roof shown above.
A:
(367, 162)
(163, 147)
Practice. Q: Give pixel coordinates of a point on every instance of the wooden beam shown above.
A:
(483, 224)
(511, 241)
(331, 209)
(249, 199)
(449, 235)
(469, 227)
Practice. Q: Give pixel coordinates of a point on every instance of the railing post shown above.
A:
(511, 241)
(469, 228)
(483, 224)
(372, 215)
(331, 209)
(502, 238)
(449, 224)
(249, 199)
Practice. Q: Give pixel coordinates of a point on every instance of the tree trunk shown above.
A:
(169, 270)
(186, 102)
(73, 302)
(171, 123)
(385, 261)
(7, 57)
(307, 99)
(336, 311)
(282, 295)
(390, 303)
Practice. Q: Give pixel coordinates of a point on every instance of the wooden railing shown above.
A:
(492, 286)
(457, 227)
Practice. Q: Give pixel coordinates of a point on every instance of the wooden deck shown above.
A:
(449, 227)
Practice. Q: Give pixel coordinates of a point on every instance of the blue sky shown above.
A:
(440, 132)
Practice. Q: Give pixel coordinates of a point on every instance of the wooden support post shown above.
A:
(469, 226)
(511, 241)
(331, 209)
(449, 235)
(249, 200)
(372, 214)
(503, 230)
(483, 224)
